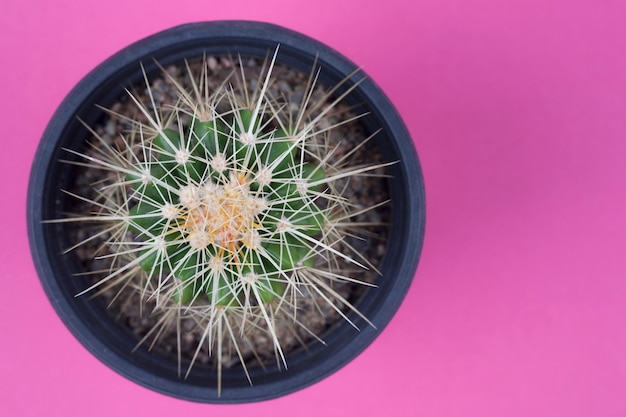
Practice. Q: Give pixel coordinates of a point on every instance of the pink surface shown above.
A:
(518, 111)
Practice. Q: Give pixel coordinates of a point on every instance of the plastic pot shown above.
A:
(113, 345)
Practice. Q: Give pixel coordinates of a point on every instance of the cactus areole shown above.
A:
(221, 210)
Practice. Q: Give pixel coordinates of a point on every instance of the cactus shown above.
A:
(226, 207)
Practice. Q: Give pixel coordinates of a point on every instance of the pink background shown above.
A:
(518, 111)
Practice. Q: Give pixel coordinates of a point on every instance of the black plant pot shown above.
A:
(113, 345)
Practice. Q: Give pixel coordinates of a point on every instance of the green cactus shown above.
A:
(213, 210)
(226, 215)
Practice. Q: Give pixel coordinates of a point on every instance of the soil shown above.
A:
(313, 316)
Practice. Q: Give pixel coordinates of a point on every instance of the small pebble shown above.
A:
(212, 63)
